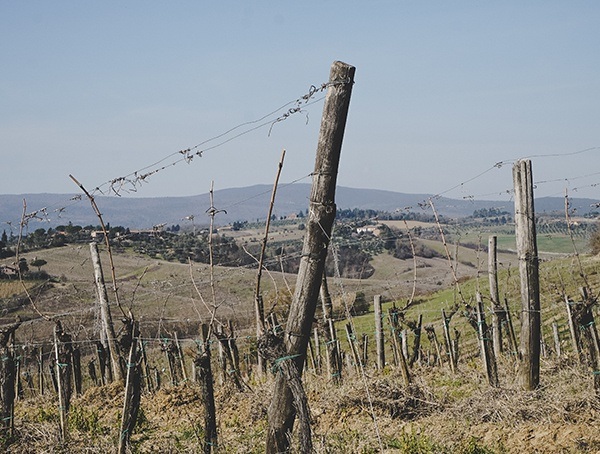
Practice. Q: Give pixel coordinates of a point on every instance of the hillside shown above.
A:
(441, 412)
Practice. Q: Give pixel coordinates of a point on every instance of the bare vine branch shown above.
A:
(106, 241)
(18, 265)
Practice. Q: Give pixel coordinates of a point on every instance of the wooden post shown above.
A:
(107, 323)
(7, 380)
(448, 339)
(379, 339)
(511, 330)
(334, 363)
(556, 339)
(335, 355)
(181, 358)
(101, 355)
(417, 346)
(205, 377)
(318, 361)
(353, 348)
(321, 215)
(584, 319)
(573, 328)
(146, 369)
(497, 312)
(63, 355)
(77, 378)
(169, 349)
(133, 382)
(41, 369)
(487, 350)
(529, 373)
(430, 330)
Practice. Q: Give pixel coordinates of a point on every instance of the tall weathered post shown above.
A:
(529, 371)
(281, 414)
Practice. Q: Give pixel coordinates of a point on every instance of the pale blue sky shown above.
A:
(444, 90)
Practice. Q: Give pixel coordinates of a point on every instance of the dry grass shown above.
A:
(440, 412)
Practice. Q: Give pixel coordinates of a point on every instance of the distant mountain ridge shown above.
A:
(239, 204)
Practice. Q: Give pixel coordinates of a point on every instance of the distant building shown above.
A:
(373, 229)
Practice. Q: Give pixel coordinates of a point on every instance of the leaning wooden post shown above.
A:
(497, 312)
(107, 324)
(529, 374)
(379, 340)
(281, 413)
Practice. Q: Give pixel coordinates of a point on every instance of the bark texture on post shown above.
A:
(321, 215)
(529, 373)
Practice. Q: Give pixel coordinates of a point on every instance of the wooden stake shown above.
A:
(497, 312)
(352, 343)
(181, 358)
(317, 352)
(573, 329)
(131, 400)
(529, 373)
(334, 363)
(205, 377)
(556, 339)
(487, 351)
(379, 337)
(107, 323)
(511, 331)
(448, 339)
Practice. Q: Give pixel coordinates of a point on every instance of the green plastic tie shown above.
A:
(278, 361)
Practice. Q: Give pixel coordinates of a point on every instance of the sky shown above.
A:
(446, 96)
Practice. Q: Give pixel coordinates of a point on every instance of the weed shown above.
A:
(85, 419)
(414, 443)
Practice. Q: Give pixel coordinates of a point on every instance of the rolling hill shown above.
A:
(239, 204)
